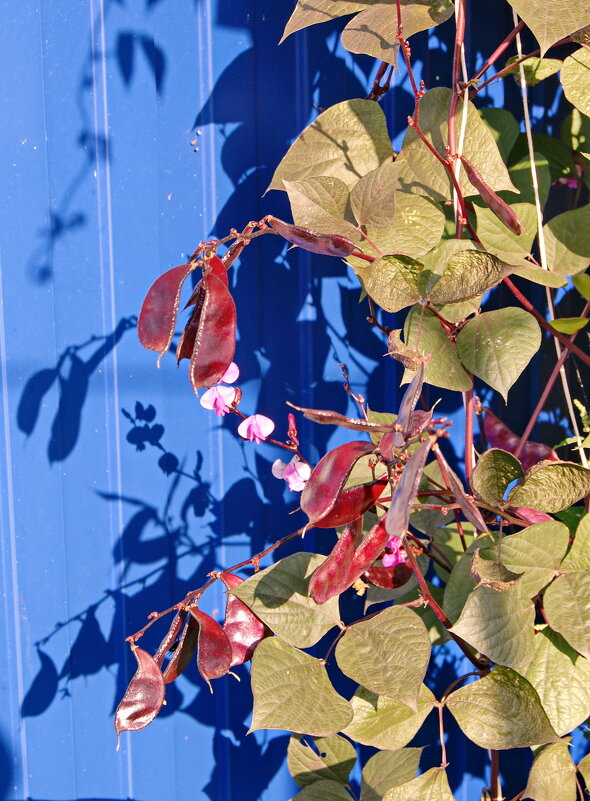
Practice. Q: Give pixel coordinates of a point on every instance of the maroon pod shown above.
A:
(388, 578)
(184, 650)
(326, 244)
(494, 203)
(499, 435)
(243, 629)
(157, 318)
(214, 653)
(143, 698)
(332, 576)
(324, 499)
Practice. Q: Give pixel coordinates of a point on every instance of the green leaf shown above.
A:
(539, 276)
(292, 691)
(373, 31)
(416, 227)
(501, 711)
(561, 677)
(373, 198)
(567, 609)
(535, 69)
(321, 204)
(330, 758)
(584, 768)
(551, 486)
(575, 131)
(278, 596)
(494, 471)
(384, 722)
(520, 175)
(551, 22)
(553, 775)
(324, 790)
(578, 556)
(496, 346)
(479, 146)
(567, 241)
(559, 157)
(430, 786)
(499, 624)
(569, 325)
(444, 368)
(422, 174)
(468, 274)
(500, 240)
(312, 12)
(459, 586)
(387, 654)
(536, 551)
(582, 284)
(385, 769)
(448, 542)
(575, 77)
(493, 574)
(346, 141)
(504, 128)
(392, 281)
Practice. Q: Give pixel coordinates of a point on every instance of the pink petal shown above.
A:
(256, 428)
(218, 399)
(296, 474)
(398, 555)
(278, 468)
(231, 374)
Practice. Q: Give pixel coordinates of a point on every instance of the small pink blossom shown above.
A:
(219, 399)
(231, 374)
(397, 555)
(256, 428)
(295, 473)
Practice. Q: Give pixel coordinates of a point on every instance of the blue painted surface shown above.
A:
(103, 190)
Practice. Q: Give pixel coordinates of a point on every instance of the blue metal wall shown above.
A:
(133, 129)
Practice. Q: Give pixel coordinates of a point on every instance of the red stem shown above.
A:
(495, 788)
(507, 70)
(548, 387)
(469, 412)
(498, 51)
(544, 324)
(456, 93)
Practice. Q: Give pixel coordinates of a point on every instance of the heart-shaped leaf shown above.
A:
(316, 759)
(551, 486)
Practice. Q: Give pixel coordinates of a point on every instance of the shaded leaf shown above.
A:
(501, 711)
(551, 486)
(492, 574)
(495, 470)
(392, 281)
(578, 556)
(329, 758)
(504, 128)
(567, 609)
(496, 346)
(320, 204)
(387, 654)
(372, 199)
(324, 790)
(292, 691)
(469, 273)
(535, 69)
(385, 769)
(346, 141)
(385, 722)
(500, 240)
(567, 241)
(582, 284)
(278, 595)
(312, 12)
(561, 677)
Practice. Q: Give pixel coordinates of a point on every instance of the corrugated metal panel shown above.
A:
(103, 190)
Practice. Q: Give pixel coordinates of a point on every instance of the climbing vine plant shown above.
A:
(497, 558)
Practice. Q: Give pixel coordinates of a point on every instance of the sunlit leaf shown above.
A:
(553, 775)
(314, 759)
(495, 470)
(575, 77)
(392, 282)
(551, 22)
(292, 691)
(387, 654)
(320, 204)
(278, 596)
(535, 69)
(385, 722)
(385, 769)
(551, 486)
(496, 346)
(372, 199)
(569, 325)
(501, 711)
(567, 608)
(430, 786)
(567, 241)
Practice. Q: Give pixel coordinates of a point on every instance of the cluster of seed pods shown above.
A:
(218, 648)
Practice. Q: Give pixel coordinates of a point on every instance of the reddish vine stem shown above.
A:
(498, 51)
(507, 70)
(548, 387)
(495, 787)
(456, 92)
(441, 733)
(544, 324)
(469, 412)
(194, 595)
(478, 663)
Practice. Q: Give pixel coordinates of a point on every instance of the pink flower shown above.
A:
(219, 399)
(231, 374)
(256, 428)
(295, 473)
(397, 555)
